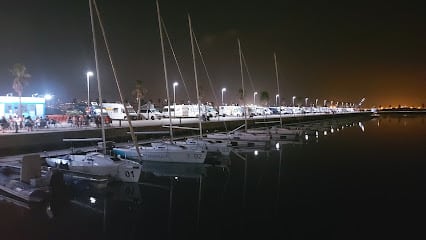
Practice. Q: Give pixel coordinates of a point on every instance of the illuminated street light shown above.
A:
(223, 90)
(325, 101)
(294, 97)
(48, 97)
(254, 98)
(174, 98)
(306, 102)
(174, 91)
(88, 75)
(276, 99)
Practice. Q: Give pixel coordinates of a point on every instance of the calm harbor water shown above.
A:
(365, 179)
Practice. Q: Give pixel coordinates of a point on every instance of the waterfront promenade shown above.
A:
(50, 139)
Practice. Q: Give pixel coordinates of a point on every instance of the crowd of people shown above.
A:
(16, 124)
(27, 123)
(85, 120)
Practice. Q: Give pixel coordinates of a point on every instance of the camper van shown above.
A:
(182, 110)
(117, 112)
(234, 111)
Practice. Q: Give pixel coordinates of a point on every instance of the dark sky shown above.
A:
(335, 50)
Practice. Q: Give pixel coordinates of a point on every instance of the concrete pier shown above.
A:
(50, 139)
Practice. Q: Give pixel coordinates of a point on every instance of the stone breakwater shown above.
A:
(39, 141)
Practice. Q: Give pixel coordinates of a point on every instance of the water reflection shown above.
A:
(284, 188)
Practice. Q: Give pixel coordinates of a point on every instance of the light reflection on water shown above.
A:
(363, 179)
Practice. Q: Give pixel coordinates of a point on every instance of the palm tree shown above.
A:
(264, 97)
(139, 92)
(21, 77)
(240, 95)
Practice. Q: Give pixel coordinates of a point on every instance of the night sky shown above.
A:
(334, 50)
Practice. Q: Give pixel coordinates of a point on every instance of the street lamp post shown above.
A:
(276, 99)
(325, 101)
(306, 102)
(47, 98)
(174, 98)
(254, 98)
(223, 90)
(316, 102)
(88, 75)
(294, 97)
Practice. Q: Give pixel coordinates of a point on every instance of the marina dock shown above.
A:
(14, 145)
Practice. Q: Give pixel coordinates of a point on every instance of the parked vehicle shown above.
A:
(211, 111)
(150, 114)
(181, 110)
(116, 111)
(148, 111)
(275, 110)
(234, 111)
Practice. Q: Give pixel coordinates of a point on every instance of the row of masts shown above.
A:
(92, 3)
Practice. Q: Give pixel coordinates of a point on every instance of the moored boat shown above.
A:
(98, 165)
(163, 152)
(26, 182)
(242, 139)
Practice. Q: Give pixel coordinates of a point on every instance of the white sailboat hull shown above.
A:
(242, 139)
(277, 133)
(164, 152)
(210, 145)
(100, 165)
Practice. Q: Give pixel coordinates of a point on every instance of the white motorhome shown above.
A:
(234, 111)
(182, 110)
(117, 112)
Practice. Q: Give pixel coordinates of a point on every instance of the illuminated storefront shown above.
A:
(31, 106)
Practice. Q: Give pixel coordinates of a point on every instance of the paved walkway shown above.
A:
(141, 123)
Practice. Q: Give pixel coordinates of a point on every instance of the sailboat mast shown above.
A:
(97, 75)
(129, 120)
(195, 74)
(242, 83)
(278, 88)
(165, 70)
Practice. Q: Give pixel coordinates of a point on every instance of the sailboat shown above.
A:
(164, 151)
(96, 163)
(222, 147)
(244, 138)
(279, 133)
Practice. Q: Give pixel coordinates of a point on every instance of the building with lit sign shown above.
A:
(31, 106)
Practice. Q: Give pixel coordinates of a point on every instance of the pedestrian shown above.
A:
(4, 123)
(98, 121)
(15, 123)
